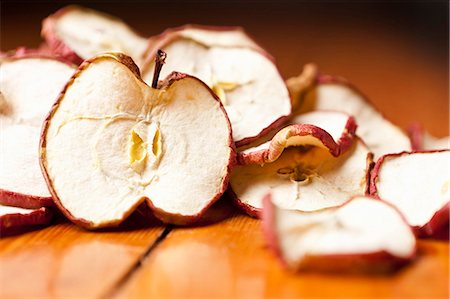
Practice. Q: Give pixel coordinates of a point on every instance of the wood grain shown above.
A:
(229, 259)
(66, 261)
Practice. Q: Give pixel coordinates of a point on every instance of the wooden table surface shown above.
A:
(381, 49)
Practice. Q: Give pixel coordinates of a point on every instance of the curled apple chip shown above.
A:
(305, 179)
(334, 93)
(422, 140)
(418, 184)
(326, 129)
(112, 142)
(78, 33)
(29, 85)
(13, 217)
(242, 75)
(361, 235)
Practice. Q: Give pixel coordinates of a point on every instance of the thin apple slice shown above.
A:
(335, 93)
(305, 179)
(418, 184)
(361, 235)
(326, 129)
(13, 217)
(111, 142)
(77, 33)
(26, 93)
(26, 96)
(243, 75)
(422, 140)
(21, 180)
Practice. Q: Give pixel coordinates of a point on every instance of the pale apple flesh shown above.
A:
(26, 96)
(333, 93)
(77, 33)
(421, 140)
(111, 142)
(326, 129)
(305, 179)
(243, 76)
(363, 234)
(418, 184)
(13, 217)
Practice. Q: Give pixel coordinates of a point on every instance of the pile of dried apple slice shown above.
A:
(337, 185)
(26, 96)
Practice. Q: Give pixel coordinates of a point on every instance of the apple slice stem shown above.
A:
(160, 59)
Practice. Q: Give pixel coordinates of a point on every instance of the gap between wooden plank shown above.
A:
(127, 276)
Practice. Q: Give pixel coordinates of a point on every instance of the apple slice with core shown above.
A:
(418, 184)
(13, 217)
(242, 75)
(26, 96)
(77, 33)
(334, 93)
(361, 235)
(112, 142)
(327, 129)
(302, 178)
(422, 140)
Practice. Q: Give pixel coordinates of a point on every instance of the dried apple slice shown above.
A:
(29, 86)
(77, 33)
(26, 96)
(111, 142)
(13, 217)
(242, 74)
(334, 93)
(361, 235)
(21, 180)
(327, 129)
(422, 140)
(304, 179)
(418, 184)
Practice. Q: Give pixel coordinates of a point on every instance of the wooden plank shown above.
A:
(229, 259)
(63, 260)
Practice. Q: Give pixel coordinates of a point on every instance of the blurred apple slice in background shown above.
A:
(364, 234)
(418, 184)
(239, 71)
(78, 33)
(335, 93)
(422, 140)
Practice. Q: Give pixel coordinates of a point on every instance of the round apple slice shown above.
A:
(243, 76)
(327, 129)
(77, 33)
(361, 235)
(302, 178)
(13, 217)
(26, 96)
(111, 142)
(335, 93)
(418, 184)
